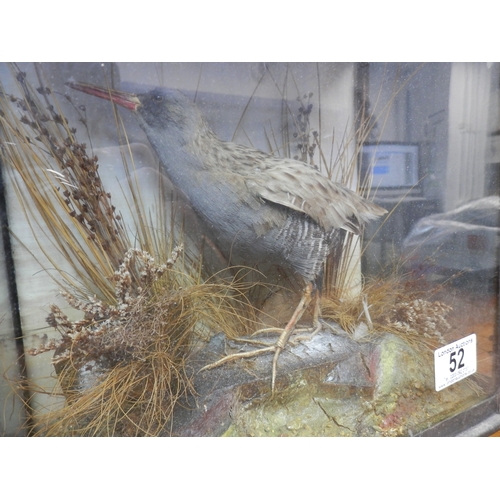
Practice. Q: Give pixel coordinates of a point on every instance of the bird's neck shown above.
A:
(183, 154)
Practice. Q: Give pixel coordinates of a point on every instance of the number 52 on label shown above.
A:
(455, 361)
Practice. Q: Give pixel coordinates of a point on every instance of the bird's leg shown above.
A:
(290, 327)
(316, 323)
(280, 344)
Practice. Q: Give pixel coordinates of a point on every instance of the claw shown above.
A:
(280, 344)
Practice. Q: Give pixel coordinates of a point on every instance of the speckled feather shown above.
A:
(289, 183)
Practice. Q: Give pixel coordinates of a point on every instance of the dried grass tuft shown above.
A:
(392, 305)
(124, 367)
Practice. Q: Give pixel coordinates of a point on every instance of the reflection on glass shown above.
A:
(147, 288)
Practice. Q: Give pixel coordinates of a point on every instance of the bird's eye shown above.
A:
(158, 98)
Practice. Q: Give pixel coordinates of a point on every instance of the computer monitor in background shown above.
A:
(394, 167)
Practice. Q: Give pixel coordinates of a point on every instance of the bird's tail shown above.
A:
(369, 210)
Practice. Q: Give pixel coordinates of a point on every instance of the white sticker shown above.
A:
(455, 361)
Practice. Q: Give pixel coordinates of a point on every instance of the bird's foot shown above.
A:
(280, 344)
(277, 347)
(306, 334)
(239, 355)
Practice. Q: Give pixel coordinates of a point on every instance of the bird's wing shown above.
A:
(299, 187)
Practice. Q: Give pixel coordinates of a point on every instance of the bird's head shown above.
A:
(159, 111)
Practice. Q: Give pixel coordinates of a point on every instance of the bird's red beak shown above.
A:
(125, 99)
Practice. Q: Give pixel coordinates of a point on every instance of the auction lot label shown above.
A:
(455, 361)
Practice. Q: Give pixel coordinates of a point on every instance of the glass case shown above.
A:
(249, 249)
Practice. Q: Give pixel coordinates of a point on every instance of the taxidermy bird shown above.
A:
(255, 208)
